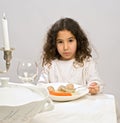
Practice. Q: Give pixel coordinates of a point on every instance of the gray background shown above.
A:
(29, 20)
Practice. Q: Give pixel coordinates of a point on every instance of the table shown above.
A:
(99, 108)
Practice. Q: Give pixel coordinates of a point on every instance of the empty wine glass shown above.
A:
(27, 71)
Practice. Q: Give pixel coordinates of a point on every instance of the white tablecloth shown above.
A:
(88, 109)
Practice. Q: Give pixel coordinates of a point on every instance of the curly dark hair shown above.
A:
(50, 51)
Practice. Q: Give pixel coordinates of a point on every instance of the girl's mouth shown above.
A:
(66, 53)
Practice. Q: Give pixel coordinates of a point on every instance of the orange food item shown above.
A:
(56, 93)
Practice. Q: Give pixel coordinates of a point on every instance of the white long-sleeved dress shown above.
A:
(66, 71)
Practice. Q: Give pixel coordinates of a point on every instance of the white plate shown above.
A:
(80, 92)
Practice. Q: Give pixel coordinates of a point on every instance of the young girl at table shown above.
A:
(67, 56)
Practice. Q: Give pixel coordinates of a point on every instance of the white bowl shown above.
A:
(21, 102)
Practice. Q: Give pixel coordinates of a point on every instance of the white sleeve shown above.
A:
(92, 75)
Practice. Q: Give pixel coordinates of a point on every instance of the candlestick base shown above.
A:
(7, 57)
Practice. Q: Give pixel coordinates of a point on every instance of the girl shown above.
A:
(67, 56)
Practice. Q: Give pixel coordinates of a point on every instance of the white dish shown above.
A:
(80, 92)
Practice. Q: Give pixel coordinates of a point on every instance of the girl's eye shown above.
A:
(59, 42)
(70, 40)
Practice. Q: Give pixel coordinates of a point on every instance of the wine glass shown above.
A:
(27, 71)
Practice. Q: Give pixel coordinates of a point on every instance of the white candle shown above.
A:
(5, 33)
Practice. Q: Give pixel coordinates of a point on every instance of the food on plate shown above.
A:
(70, 86)
(62, 90)
(50, 88)
(58, 93)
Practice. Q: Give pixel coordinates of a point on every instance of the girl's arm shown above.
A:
(93, 79)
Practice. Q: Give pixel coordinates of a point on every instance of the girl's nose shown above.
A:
(65, 46)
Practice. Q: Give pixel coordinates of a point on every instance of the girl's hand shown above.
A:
(93, 88)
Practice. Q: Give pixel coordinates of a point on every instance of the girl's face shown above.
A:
(66, 44)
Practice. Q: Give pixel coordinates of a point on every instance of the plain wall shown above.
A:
(29, 20)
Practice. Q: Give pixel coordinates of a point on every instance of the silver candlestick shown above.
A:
(7, 57)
